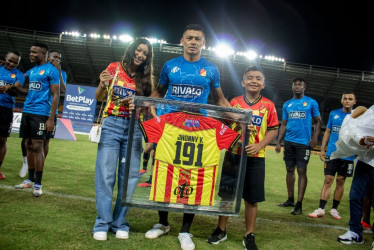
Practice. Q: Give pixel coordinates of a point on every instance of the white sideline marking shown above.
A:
(76, 197)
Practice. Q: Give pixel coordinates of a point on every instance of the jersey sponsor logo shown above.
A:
(202, 72)
(123, 92)
(183, 190)
(304, 104)
(175, 69)
(42, 72)
(336, 129)
(297, 115)
(223, 129)
(35, 86)
(186, 91)
(191, 123)
(13, 76)
(3, 83)
(257, 120)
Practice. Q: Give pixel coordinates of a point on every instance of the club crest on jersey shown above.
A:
(304, 104)
(262, 109)
(42, 72)
(191, 123)
(202, 72)
(13, 76)
(297, 115)
(186, 91)
(35, 86)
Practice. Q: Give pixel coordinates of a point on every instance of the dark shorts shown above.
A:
(296, 154)
(254, 182)
(52, 134)
(6, 120)
(340, 166)
(33, 126)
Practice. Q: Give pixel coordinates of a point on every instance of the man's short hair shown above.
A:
(348, 92)
(41, 45)
(54, 51)
(16, 52)
(194, 26)
(253, 68)
(299, 79)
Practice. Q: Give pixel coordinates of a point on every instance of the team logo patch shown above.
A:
(42, 72)
(336, 117)
(186, 91)
(81, 90)
(13, 76)
(175, 69)
(262, 109)
(202, 72)
(191, 123)
(304, 104)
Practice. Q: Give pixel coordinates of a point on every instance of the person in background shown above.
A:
(9, 76)
(297, 117)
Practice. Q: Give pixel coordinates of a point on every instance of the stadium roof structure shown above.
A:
(83, 58)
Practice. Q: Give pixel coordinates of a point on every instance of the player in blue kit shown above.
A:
(296, 129)
(39, 111)
(343, 167)
(187, 78)
(10, 76)
(54, 57)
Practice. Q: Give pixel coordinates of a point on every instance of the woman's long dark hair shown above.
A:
(144, 73)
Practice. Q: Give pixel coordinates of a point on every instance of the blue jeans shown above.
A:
(364, 173)
(110, 153)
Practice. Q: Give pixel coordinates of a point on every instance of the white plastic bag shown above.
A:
(95, 133)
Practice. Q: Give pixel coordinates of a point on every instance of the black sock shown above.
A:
(1, 163)
(291, 199)
(187, 221)
(145, 160)
(38, 177)
(322, 204)
(32, 175)
(299, 204)
(150, 179)
(163, 218)
(335, 204)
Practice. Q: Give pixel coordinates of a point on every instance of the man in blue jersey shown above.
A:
(39, 111)
(10, 76)
(298, 115)
(342, 166)
(187, 78)
(54, 57)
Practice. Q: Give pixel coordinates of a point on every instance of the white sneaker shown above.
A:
(100, 235)
(317, 213)
(23, 171)
(335, 214)
(37, 192)
(25, 184)
(156, 231)
(186, 241)
(120, 234)
(350, 237)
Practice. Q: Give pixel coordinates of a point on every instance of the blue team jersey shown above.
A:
(9, 77)
(299, 114)
(39, 98)
(188, 81)
(335, 122)
(64, 78)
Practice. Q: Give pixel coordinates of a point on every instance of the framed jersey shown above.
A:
(185, 170)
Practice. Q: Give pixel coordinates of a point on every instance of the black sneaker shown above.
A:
(287, 203)
(249, 242)
(297, 210)
(217, 236)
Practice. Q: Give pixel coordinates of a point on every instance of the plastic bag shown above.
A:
(95, 133)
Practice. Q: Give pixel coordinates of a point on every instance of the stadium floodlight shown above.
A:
(152, 40)
(126, 38)
(94, 35)
(223, 50)
(105, 36)
(250, 54)
(114, 37)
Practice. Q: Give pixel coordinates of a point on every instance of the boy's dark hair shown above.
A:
(41, 45)
(299, 79)
(253, 68)
(194, 26)
(347, 92)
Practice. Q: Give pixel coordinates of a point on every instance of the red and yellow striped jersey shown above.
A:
(124, 87)
(264, 118)
(188, 152)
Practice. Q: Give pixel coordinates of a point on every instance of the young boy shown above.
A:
(265, 130)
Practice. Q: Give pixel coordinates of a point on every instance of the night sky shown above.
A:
(335, 35)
